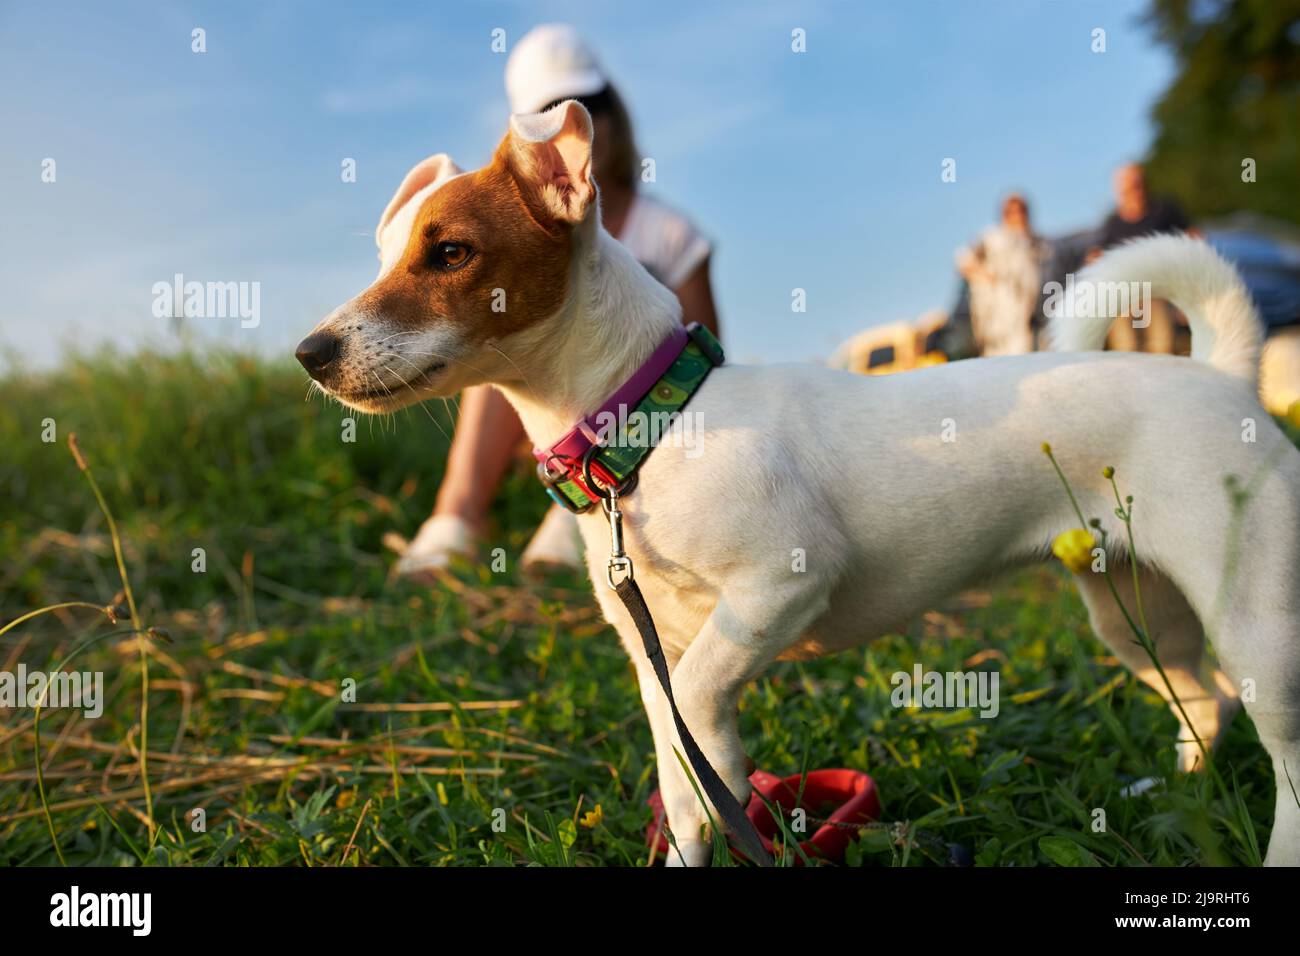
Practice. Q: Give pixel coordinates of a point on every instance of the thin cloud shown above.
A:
(398, 94)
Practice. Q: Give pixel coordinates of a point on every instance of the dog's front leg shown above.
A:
(735, 645)
(674, 788)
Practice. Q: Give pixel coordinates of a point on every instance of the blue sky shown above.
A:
(818, 170)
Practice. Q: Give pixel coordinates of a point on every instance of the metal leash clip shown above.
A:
(618, 559)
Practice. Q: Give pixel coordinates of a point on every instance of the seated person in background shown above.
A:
(1004, 270)
(1138, 213)
(548, 65)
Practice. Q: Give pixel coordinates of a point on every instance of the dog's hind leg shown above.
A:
(1256, 639)
(1206, 695)
(1279, 732)
(1262, 648)
(1249, 600)
(1259, 644)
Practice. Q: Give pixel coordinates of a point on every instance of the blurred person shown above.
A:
(1138, 213)
(1003, 269)
(547, 66)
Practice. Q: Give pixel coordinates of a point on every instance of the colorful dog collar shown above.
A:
(607, 447)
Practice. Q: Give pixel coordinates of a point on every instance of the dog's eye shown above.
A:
(451, 255)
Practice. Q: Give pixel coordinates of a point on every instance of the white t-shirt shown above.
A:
(663, 240)
(1002, 302)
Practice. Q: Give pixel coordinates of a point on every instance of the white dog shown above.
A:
(899, 490)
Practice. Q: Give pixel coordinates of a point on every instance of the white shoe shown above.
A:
(557, 543)
(440, 538)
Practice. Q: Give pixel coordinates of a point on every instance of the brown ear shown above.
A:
(550, 156)
(432, 170)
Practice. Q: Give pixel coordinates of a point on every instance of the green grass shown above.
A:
(541, 721)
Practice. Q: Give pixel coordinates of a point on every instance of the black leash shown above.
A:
(728, 807)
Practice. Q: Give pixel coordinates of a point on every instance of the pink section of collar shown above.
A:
(578, 439)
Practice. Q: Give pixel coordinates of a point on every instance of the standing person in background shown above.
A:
(1004, 271)
(547, 66)
(1137, 213)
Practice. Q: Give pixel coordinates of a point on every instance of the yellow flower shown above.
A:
(1074, 548)
(591, 819)
(442, 794)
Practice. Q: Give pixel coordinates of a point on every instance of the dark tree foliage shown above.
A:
(1236, 96)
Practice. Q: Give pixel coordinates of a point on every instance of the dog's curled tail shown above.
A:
(1226, 330)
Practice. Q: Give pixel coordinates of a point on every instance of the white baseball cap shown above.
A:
(551, 63)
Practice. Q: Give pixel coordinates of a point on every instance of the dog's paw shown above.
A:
(690, 853)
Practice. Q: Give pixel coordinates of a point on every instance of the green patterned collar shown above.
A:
(606, 448)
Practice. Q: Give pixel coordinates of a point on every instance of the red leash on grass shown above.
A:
(852, 793)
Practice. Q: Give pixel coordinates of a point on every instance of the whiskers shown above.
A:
(409, 386)
(313, 388)
(387, 416)
(500, 351)
(448, 404)
(398, 384)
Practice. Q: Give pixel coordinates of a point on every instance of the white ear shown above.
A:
(432, 170)
(552, 159)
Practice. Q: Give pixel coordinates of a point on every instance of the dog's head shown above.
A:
(467, 261)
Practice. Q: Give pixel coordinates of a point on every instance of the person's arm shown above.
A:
(1177, 220)
(482, 448)
(972, 268)
(1105, 238)
(696, 296)
(1189, 227)
(970, 261)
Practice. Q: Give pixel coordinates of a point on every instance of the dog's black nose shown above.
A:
(316, 352)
